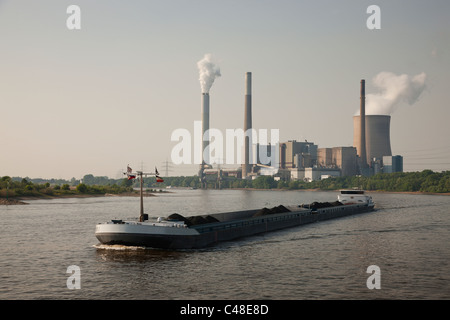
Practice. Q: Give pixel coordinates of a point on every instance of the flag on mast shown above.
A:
(129, 173)
(158, 178)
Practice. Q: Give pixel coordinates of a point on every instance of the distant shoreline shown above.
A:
(19, 200)
(368, 191)
(413, 192)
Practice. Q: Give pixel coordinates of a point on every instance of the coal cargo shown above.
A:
(193, 220)
(179, 217)
(266, 211)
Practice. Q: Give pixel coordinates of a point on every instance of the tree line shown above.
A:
(424, 181)
(14, 187)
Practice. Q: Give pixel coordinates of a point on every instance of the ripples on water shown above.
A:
(407, 237)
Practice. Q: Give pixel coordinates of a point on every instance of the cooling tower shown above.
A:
(378, 142)
(205, 126)
(247, 123)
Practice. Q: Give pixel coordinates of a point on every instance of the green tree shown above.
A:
(126, 183)
(82, 188)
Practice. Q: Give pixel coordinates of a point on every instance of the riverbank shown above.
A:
(10, 202)
(21, 200)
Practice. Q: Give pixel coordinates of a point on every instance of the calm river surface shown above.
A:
(408, 238)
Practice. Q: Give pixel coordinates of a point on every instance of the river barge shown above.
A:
(178, 232)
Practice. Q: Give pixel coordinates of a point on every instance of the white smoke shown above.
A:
(208, 72)
(394, 89)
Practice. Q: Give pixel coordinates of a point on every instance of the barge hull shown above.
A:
(205, 235)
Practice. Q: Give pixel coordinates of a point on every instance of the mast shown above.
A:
(141, 216)
(141, 175)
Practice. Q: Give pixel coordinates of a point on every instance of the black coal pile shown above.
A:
(192, 221)
(320, 205)
(265, 211)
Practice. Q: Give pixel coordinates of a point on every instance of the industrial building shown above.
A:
(343, 158)
(392, 164)
(313, 173)
(295, 154)
(318, 163)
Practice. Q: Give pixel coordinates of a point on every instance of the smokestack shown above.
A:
(247, 123)
(361, 146)
(208, 72)
(205, 126)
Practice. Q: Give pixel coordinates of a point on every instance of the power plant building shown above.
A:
(343, 158)
(294, 154)
(325, 157)
(313, 174)
(301, 160)
(392, 164)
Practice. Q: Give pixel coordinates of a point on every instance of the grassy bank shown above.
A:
(13, 190)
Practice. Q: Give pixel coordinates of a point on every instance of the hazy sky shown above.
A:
(74, 102)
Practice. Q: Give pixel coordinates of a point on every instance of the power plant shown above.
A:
(305, 160)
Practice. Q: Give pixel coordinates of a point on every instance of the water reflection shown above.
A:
(121, 253)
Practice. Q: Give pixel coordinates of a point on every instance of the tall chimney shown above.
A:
(362, 135)
(205, 127)
(247, 123)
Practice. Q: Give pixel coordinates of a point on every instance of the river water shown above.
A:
(407, 238)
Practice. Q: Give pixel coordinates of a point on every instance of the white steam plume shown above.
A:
(208, 72)
(394, 89)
